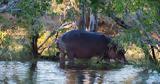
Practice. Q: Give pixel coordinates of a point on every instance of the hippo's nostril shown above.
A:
(121, 61)
(126, 62)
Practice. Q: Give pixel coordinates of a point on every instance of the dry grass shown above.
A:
(135, 53)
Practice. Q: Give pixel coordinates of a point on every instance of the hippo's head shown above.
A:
(117, 54)
(60, 45)
(121, 56)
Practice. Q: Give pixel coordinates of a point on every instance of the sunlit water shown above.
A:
(48, 72)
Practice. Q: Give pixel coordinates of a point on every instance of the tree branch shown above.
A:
(119, 21)
(52, 33)
(7, 6)
(65, 25)
(44, 49)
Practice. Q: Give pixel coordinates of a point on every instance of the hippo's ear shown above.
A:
(123, 51)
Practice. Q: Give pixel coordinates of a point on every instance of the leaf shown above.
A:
(59, 1)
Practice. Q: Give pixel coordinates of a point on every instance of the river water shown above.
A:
(48, 72)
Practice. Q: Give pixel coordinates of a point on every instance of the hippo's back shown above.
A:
(83, 44)
(79, 36)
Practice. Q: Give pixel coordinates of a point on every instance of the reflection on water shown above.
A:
(80, 77)
(48, 72)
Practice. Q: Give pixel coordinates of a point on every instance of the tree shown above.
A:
(31, 11)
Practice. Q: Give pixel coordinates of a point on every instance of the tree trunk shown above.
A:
(83, 17)
(92, 23)
(96, 22)
(32, 70)
(35, 46)
(153, 53)
(82, 21)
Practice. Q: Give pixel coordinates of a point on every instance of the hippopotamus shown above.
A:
(116, 53)
(85, 45)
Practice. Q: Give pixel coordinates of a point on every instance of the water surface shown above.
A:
(48, 72)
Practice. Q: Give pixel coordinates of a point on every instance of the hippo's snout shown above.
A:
(123, 61)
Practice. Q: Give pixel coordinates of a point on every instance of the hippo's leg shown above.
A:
(107, 59)
(100, 58)
(62, 60)
(71, 56)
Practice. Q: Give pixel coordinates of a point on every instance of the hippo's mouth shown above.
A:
(122, 61)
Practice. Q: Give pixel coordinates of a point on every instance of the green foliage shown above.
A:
(128, 37)
(119, 8)
(5, 41)
(4, 38)
(5, 23)
(29, 17)
(4, 1)
(94, 64)
(59, 1)
(138, 36)
(31, 9)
